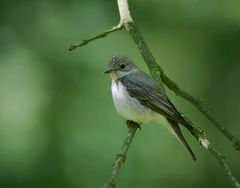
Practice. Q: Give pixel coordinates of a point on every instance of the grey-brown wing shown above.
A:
(145, 89)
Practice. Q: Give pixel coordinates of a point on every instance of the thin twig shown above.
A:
(101, 35)
(122, 155)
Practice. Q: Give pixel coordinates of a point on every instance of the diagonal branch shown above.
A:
(201, 137)
(122, 155)
(198, 104)
(221, 159)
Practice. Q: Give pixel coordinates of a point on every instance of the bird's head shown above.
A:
(120, 66)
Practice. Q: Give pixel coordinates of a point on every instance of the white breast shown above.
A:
(128, 107)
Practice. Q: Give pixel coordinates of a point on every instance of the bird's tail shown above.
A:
(180, 136)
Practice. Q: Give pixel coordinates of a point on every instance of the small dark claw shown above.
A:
(139, 126)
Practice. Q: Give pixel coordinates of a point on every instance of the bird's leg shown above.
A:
(133, 124)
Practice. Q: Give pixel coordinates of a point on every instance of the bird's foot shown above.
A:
(133, 124)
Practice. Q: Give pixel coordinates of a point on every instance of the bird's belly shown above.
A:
(128, 107)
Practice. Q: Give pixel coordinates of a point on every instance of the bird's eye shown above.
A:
(122, 66)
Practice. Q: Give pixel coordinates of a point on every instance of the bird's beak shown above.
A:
(108, 71)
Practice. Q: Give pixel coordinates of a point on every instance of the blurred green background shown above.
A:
(58, 125)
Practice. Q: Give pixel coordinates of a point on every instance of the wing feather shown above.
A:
(146, 90)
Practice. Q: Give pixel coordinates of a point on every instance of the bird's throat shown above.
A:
(113, 76)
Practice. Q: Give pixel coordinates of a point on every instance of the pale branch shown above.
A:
(101, 35)
(158, 74)
(122, 154)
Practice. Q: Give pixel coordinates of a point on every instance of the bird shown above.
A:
(138, 97)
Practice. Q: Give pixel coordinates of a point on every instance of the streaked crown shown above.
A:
(121, 63)
(120, 66)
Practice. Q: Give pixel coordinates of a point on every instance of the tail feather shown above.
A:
(180, 136)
